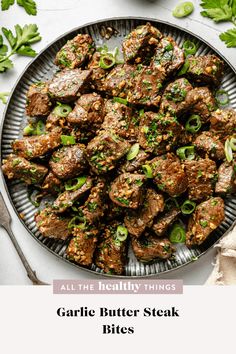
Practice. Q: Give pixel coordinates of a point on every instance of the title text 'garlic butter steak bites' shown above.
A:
(131, 151)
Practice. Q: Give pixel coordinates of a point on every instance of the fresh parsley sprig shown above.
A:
(3, 96)
(20, 43)
(29, 5)
(222, 10)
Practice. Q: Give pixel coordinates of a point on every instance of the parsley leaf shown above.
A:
(217, 10)
(229, 37)
(5, 65)
(3, 96)
(5, 4)
(29, 6)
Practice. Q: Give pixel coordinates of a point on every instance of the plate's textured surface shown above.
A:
(41, 69)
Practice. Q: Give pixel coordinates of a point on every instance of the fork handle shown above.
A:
(31, 273)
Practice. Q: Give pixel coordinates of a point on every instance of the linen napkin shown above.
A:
(224, 272)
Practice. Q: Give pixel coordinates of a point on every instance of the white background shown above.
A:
(54, 18)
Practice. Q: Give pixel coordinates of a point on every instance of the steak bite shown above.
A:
(82, 246)
(52, 225)
(126, 190)
(226, 179)
(147, 85)
(95, 206)
(137, 221)
(210, 144)
(37, 146)
(75, 52)
(68, 161)
(88, 112)
(223, 123)
(206, 218)
(174, 97)
(119, 80)
(169, 174)
(201, 178)
(206, 68)
(164, 221)
(38, 102)
(98, 74)
(136, 163)
(111, 253)
(158, 133)
(52, 184)
(168, 56)
(16, 167)
(66, 199)
(148, 248)
(142, 37)
(201, 101)
(105, 150)
(67, 84)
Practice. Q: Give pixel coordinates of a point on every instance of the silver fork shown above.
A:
(5, 222)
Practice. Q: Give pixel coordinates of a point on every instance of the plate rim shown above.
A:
(67, 33)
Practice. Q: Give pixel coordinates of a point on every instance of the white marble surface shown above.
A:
(54, 18)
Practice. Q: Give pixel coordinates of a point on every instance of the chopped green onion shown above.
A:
(35, 196)
(184, 68)
(232, 144)
(170, 203)
(107, 61)
(121, 233)
(188, 207)
(148, 171)
(189, 47)
(183, 9)
(193, 124)
(228, 151)
(103, 50)
(120, 100)
(133, 152)
(40, 128)
(222, 97)
(177, 234)
(186, 153)
(62, 110)
(77, 222)
(28, 130)
(75, 183)
(67, 140)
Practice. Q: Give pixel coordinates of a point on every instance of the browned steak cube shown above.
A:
(168, 56)
(201, 178)
(52, 184)
(201, 101)
(88, 112)
(114, 211)
(52, 225)
(147, 86)
(207, 69)
(105, 150)
(75, 52)
(55, 122)
(16, 167)
(223, 123)
(206, 218)
(169, 174)
(141, 37)
(164, 221)
(226, 178)
(137, 221)
(148, 248)
(68, 162)
(95, 206)
(174, 97)
(119, 119)
(82, 246)
(158, 133)
(136, 163)
(36, 146)
(67, 84)
(98, 74)
(66, 199)
(119, 80)
(111, 253)
(38, 102)
(210, 144)
(126, 190)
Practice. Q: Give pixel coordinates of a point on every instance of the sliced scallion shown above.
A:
(75, 183)
(121, 233)
(107, 61)
(177, 234)
(193, 124)
(183, 9)
(147, 171)
(189, 47)
(232, 143)
(228, 151)
(120, 100)
(62, 110)
(67, 140)
(222, 97)
(188, 207)
(186, 153)
(133, 152)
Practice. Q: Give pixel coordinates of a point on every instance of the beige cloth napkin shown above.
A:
(224, 272)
